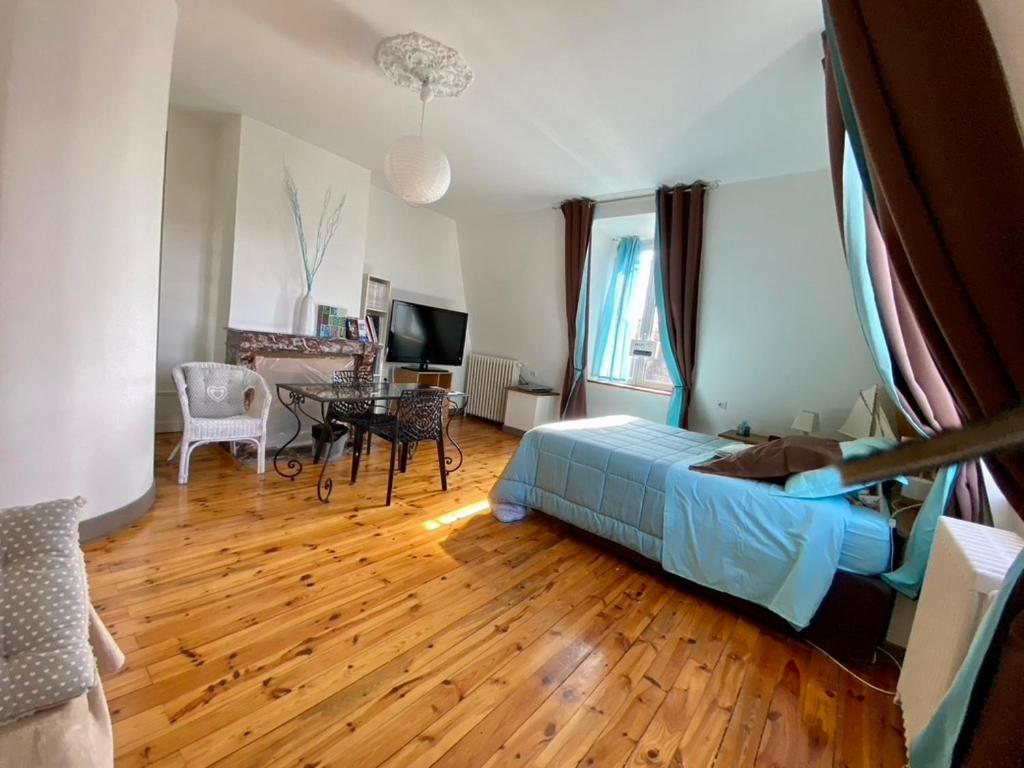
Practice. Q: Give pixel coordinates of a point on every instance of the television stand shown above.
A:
(431, 377)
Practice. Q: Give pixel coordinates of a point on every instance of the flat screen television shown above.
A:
(425, 335)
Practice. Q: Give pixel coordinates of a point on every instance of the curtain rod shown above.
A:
(643, 196)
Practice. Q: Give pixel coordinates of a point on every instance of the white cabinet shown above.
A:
(525, 410)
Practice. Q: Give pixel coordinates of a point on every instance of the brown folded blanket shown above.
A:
(776, 460)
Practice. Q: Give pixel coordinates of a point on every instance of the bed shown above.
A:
(628, 481)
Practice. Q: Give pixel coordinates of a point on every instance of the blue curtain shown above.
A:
(675, 404)
(579, 350)
(613, 333)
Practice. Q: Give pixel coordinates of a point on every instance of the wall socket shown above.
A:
(723, 404)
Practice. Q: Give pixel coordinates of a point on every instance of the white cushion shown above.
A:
(215, 391)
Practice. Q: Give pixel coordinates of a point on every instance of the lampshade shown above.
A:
(417, 170)
(867, 417)
(806, 422)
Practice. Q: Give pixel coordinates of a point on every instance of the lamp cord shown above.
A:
(423, 114)
(853, 674)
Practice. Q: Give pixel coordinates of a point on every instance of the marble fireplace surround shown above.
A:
(287, 357)
(243, 347)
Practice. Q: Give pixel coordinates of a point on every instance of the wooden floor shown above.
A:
(264, 628)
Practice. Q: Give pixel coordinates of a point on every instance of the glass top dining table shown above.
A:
(326, 392)
(294, 396)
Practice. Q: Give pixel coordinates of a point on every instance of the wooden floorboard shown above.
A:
(263, 628)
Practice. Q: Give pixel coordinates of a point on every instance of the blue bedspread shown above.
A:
(627, 480)
(605, 475)
(737, 536)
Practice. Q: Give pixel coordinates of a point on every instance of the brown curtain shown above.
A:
(926, 103)
(923, 394)
(680, 213)
(579, 220)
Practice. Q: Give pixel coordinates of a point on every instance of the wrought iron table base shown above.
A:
(293, 465)
(449, 461)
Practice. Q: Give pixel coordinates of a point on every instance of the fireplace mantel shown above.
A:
(243, 347)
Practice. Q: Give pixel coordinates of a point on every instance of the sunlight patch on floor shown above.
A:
(462, 513)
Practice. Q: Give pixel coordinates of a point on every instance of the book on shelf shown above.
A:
(357, 329)
(371, 330)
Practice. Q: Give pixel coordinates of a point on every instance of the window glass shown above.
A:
(639, 362)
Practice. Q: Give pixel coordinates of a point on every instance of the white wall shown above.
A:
(606, 400)
(514, 271)
(1006, 24)
(778, 332)
(229, 240)
(225, 203)
(418, 250)
(267, 278)
(82, 126)
(197, 247)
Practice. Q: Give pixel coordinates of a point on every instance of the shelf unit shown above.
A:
(441, 379)
(376, 307)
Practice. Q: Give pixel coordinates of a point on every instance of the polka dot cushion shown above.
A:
(45, 656)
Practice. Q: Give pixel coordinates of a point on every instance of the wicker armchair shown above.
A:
(249, 427)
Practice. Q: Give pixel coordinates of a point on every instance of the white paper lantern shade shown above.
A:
(417, 170)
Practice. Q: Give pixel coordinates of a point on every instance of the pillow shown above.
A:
(866, 446)
(824, 483)
(730, 449)
(776, 460)
(215, 393)
(45, 656)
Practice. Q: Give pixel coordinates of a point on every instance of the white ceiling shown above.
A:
(571, 97)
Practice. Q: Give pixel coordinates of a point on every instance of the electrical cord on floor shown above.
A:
(853, 674)
(899, 667)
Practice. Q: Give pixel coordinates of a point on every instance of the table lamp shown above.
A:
(867, 418)
(806, 422)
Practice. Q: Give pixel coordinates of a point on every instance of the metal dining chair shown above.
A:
(344, 416)
(417, 418)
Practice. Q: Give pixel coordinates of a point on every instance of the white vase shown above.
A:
(305, 315)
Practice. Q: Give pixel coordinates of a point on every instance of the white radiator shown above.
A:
(967, 566)
(486, 381)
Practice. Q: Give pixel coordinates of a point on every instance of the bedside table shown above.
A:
(526, 409)
(751, 439)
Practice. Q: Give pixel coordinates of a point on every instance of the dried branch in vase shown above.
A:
(330, 220)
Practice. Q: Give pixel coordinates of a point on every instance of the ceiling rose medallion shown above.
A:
(416, 168)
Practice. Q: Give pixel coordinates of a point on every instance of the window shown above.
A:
(627, 347)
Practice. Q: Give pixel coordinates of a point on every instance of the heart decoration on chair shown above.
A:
(216, 392)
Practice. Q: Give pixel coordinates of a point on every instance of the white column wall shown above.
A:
(83, 118)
